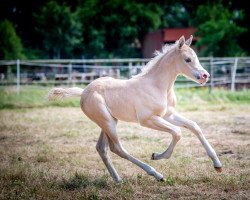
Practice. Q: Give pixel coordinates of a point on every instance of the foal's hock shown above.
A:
(148, 99)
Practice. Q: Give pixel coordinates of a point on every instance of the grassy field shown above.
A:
(47, 151)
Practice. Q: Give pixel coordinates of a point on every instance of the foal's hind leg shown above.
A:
(102, 148)
(96, 109)
(117, 148)
(108, 125)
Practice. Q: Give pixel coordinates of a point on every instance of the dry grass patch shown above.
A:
(49, 153)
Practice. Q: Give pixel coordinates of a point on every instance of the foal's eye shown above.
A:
(188, 60)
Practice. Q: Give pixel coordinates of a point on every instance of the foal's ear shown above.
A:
(189, 41)
(181, 41)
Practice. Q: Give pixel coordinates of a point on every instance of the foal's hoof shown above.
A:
(155, 156)
(118, 180)
(218, 169)
(161, 180)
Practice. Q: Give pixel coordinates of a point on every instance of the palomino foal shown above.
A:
(148, 99)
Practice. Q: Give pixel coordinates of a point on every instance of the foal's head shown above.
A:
(187, 62)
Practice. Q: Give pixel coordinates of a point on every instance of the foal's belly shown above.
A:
(127, 117)
(121, 107)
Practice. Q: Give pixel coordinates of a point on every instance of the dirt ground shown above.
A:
(49, 153)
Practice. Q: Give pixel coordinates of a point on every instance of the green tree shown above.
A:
(10, 44)
(115, 28)
(176, 15)
(218, 30)
(60, 29)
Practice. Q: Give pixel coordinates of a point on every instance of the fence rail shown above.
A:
(230, 71)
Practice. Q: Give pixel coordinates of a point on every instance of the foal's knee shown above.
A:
(176, 133)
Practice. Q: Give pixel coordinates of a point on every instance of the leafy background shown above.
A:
(115, 28)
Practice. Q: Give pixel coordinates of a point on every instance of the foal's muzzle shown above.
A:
(202, 76)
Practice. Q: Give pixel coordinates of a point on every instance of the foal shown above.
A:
(148, 99)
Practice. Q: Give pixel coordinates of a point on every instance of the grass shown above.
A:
(35, 96)
(218, 95)
(48, 152)
(30, 97)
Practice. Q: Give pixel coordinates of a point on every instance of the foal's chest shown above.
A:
(163, 104)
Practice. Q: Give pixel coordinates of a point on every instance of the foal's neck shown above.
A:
(164, 73)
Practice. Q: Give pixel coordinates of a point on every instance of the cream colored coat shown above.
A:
(147, 99)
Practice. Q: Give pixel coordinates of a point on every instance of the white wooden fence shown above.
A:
(223, 71)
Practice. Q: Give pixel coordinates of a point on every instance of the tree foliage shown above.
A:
(218, 30)
(176, 15)
(60, 29)
(115, 28)
(10, 44)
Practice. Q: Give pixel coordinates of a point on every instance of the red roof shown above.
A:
(173, 34)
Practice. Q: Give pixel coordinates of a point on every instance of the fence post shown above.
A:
(70, 74)
(211, 74)
(233, 74)
(118, 72)
(18, 76)
(130, 65)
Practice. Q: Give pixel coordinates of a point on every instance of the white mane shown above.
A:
(157, 56)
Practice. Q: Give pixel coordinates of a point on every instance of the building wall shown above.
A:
(155, 40)
(151, 42)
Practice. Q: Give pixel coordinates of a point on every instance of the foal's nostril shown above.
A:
(204, 76)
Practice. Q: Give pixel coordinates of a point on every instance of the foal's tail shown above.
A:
(61, 93)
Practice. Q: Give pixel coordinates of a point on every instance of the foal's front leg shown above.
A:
(160, 124)
(179, 120)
